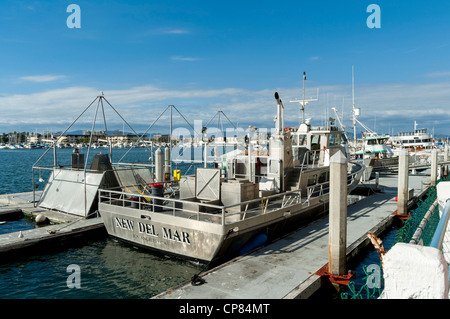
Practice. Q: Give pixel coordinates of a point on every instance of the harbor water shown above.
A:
(109, 269)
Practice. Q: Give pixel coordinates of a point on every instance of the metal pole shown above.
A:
(170, 137)
(438, 237)
(338, 215)
(415, 238)
(106, 132)
(249, 153)
(223, 216)
(403, 175)
(205, 154)
(87, 156)
(34, 187)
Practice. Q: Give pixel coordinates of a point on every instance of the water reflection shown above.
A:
(109, 270)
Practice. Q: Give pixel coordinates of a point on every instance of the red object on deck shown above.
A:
(342, 280)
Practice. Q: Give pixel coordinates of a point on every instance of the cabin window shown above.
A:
(322, 178)
(312, 180)
(315, 142)
(332, 140)
(337, 139)
(302, 139)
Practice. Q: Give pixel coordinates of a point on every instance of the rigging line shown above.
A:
(66, 130)
(106, 132)
(218, 122)
(185, 119)
(121, 117)
(87, 155)
(145, 132)
(212, 119)
(229, 120)
(125, 123)
(90, 138)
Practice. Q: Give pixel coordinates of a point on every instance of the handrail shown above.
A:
(439, 234)
(105, 195)
(415, 238)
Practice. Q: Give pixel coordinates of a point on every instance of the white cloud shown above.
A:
(438, 74)
(176, 31)
(183, 58)
(388, 106)
(42, 78)
(164, 31)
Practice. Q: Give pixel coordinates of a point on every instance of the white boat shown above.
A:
(374, 146)
(246, 199)
(415, 141)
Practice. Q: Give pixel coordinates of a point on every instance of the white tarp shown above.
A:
(66, 191)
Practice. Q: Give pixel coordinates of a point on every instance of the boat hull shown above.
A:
(204, 241)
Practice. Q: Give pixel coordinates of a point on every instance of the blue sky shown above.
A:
(205, 56)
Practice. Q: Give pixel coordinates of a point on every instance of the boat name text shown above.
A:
(149, 229)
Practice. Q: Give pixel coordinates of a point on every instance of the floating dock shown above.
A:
(63, 230)
(287, 268)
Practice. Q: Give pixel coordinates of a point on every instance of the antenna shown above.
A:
(355, 111)
(304, 102)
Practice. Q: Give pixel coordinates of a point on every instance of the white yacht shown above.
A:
(416, 141)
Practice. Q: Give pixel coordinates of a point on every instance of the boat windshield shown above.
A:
(335, 139)
(302, 139)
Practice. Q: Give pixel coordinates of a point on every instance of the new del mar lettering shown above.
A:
(149, 229)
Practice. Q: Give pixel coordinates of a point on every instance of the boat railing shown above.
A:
(441, 229)
(212, 211)
(199, 210)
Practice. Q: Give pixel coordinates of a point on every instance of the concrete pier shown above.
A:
(286, 269)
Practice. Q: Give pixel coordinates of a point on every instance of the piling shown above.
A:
(446, 160)
(338, 215)
(434, 169)
(403, 177)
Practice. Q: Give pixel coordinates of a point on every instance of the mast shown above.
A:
(303, 101)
